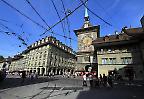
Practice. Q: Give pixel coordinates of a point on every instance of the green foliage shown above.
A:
(1, 58)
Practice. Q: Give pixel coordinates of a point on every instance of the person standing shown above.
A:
(104, 80)
(95, 81)
(23, 76)
(91, 80)
(32, 75)
(110, 82)
(100, 80)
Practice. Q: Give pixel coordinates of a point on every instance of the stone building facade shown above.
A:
(46, 56)
(123, 52)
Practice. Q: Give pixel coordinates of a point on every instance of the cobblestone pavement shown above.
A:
(67, 88)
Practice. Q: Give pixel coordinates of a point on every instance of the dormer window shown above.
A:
(43, 40)
(106, 38)
(38, 42)
(52, 40)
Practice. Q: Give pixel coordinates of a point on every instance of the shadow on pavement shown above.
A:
(16, 82)
(124, 92)
(63, 88)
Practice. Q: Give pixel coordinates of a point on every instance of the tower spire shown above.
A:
(86, 17)
(86, 12)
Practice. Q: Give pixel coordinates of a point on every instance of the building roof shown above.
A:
(136, 32)
(115, 43)
(129, 36)
(17, 57)
(112, 38)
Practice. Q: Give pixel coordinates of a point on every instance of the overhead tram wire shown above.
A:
(67, 21)
(6, 21)
(45, 21)
(6, 27)
(26, 16)
(59, 18)
(23, 14)
(63, 18)
(20, 26)
(46, 30)
(11, 32)
(111, 17)
(3, 20)
(96, 14)
(38, 14)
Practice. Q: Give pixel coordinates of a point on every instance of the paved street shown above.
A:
(66, 88)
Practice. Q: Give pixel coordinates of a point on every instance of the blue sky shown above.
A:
(119, 13)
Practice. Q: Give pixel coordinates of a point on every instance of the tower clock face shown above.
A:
(87, 41)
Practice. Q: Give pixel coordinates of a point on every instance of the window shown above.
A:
(43, 62)
(80, 59)
(101, 50)
(104, 60)
(112, 60)
(87, 59)
(126, 60)
(44, 55)
(109, 50)
(40, 56)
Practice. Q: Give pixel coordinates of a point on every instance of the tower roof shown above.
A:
(86, 12)
(86, 18)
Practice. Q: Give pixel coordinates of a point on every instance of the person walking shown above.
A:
(84, 80)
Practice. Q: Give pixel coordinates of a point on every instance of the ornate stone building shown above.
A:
(46, 56)
(86, 35)
(123, 53)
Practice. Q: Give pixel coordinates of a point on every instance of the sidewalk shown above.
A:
(41, 91)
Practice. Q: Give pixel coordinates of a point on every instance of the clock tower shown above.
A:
(85, 53)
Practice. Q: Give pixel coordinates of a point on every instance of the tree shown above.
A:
(1, 58)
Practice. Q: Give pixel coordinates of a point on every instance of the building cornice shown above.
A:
(83, 30)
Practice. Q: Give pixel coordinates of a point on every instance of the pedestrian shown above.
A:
(95, 81)
(36, 75)
(91, 80)
(100, 80)
(84, 80)
(104, 80)
(110, 81)
(23, 76)
(32, 75)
